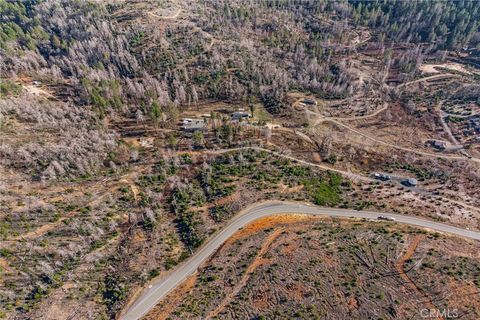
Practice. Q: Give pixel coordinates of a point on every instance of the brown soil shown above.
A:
(174, 298)
(268, 222)
(400, 268)
(258, 261)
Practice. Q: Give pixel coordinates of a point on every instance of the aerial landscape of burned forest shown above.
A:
(235, 159)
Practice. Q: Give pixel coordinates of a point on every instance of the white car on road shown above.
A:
(385, 218)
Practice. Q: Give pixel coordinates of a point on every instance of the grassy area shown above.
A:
(325, 192)
(260, 114)
(8, 87)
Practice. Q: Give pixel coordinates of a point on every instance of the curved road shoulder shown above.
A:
(161, 287)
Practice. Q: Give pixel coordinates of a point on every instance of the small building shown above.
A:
(410, 182)
(191, 125)
(241, 115)
(439, 145)
(309, 101)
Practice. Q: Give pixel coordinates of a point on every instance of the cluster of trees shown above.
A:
(213, 183)
(17, 24)
(284, 53)
(447, 24)
(113, 69)
(468, 93)
(242, 50)
(78, 148)
(8, 88)
(190, 224)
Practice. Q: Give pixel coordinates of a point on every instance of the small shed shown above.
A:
(440, 145)
(241, 115)
(193, 125)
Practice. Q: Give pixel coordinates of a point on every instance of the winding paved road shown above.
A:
(160, 288)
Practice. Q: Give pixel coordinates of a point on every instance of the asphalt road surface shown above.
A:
(161, 287)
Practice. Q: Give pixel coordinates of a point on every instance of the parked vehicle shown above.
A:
(381, 176)
(385, 218)
(410, 182)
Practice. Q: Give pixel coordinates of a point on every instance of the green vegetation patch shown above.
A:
(190, 224)
(8, 87)
(324, 192)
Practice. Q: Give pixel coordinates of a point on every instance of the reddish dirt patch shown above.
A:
(352, 304)
(6, 267)
(410, 284)
(462, 294)
(269, 222)
(258, 261)
(290, 248)
(296, 291)
(162, 311)
(261, 300)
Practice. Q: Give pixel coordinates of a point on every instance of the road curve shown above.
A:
(160, 288)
